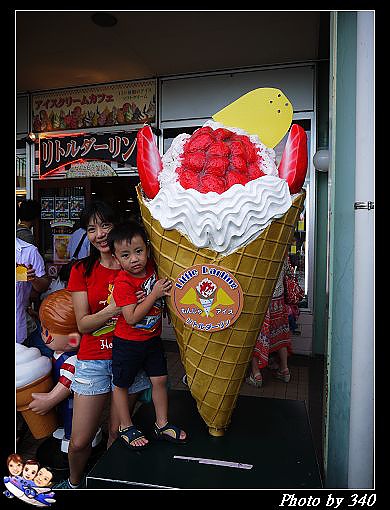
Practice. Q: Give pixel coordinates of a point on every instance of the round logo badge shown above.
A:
(207, 297)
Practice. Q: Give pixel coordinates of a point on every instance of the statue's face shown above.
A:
(59, 342)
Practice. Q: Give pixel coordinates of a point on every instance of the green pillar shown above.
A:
(320, 301)
(341, 246)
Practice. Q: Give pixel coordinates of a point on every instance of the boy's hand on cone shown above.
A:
(162, 288)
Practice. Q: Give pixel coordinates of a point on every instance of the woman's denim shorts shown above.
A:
(94, 377)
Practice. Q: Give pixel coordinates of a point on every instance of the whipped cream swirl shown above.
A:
(31, 365)
(221, 222)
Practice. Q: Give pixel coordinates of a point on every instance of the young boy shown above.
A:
(137, 341)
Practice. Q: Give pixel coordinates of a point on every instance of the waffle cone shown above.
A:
(40, 426)
(216, 363)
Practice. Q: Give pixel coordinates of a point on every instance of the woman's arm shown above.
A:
(87, 322)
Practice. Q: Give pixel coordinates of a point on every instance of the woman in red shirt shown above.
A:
(91, 282)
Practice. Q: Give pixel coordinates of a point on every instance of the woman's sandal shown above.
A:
(255, 380)
(283, 375)
(163, 434)
(130, 434)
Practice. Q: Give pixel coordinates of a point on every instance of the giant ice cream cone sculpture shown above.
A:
(33, 375)
(254, 221)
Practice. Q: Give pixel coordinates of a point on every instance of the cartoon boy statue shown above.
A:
(60, 333)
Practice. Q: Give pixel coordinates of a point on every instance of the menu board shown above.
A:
(62, 208)
(47, 208)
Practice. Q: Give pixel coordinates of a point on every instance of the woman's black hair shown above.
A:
(125, 231)
(96, 209)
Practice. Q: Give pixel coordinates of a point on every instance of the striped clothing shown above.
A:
(63, 367)
(63, 372)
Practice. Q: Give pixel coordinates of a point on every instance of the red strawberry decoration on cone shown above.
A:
(148, 161)
(220, 158)
(215, 160)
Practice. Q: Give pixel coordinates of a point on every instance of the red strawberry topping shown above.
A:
(195, 161)
(199, 143)
(211, 183)
(236, 178)
(216, 166)
(215, 160)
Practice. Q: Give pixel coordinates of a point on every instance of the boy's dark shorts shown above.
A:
(129, 356)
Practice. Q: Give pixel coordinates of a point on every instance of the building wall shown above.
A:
(199, 97)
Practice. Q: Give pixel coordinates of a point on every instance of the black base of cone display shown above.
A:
(268, 444)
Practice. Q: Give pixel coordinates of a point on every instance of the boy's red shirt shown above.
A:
(124, 291)
(99, 285)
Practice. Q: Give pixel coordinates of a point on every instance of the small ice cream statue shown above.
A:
(60, 333)
(33, 374)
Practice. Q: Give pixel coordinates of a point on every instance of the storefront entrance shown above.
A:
(62, 201)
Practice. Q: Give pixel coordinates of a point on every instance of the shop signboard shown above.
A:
(59, 150)
(116, 104)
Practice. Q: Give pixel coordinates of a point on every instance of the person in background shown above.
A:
(74, 241)
(274, 337)
(91, 282)
(30, 264)
(58, 283)
(27, 214)
(28, 257)
(137, 342)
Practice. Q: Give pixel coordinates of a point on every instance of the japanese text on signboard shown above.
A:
(115, 104)
(58, 151)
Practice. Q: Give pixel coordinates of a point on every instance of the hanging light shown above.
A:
(31, 138)
(321, 160)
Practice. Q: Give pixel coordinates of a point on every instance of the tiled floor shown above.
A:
(297, 389)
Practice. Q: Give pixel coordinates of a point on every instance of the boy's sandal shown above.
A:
(131, 434)
(163, 434)
(255, 380)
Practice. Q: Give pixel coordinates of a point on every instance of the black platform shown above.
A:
(273, 435)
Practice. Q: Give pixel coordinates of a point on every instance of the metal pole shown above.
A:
(361, 439)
